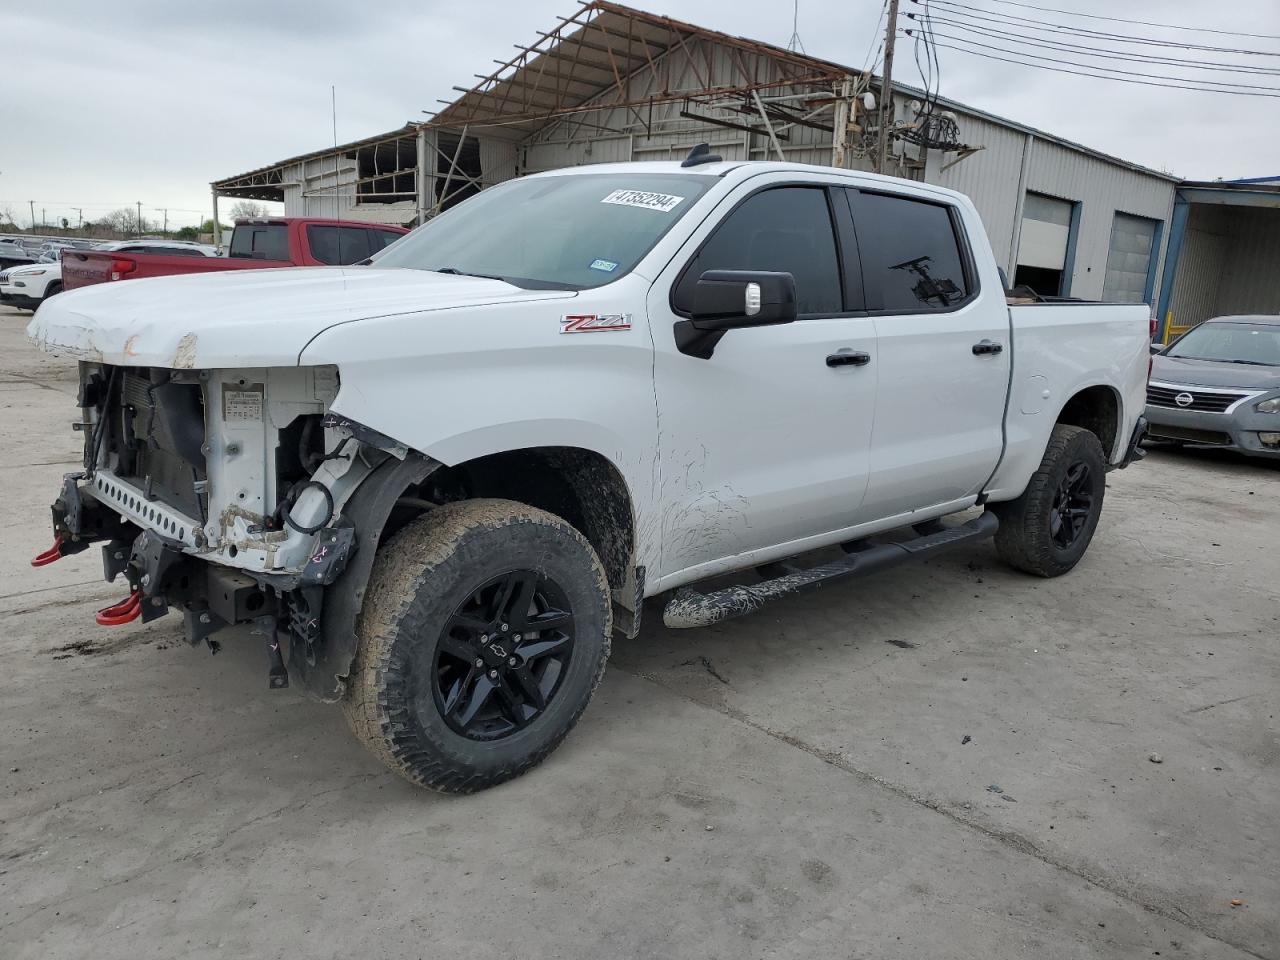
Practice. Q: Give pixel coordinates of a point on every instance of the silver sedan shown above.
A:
(1219, 385)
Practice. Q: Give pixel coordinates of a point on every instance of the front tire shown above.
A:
(52, 290)
(484, 633)
(1048, 529)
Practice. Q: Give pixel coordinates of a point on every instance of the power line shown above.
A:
(877, 42)
(1097, 76)
(1132, 73)
(1106, 53)
(1141, 23)
(956, 9)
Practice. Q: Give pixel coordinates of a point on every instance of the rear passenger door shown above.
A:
(942, 353)
(339, 246)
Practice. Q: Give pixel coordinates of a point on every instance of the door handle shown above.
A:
(848, 359)
(985, 347)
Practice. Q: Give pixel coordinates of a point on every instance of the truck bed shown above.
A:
(80, 268)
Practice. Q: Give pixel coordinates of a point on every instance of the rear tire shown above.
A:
(484, 633)
(1048, 529)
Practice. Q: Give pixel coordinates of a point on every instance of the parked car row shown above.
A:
(19, 251)
(254, 245)
(30, 286)
(30, 278)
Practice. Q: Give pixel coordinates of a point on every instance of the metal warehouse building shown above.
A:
(612, 83)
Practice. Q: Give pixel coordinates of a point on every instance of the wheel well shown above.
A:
(579, 485)
(1096, 409)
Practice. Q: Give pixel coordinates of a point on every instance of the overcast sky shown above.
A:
(106, 104)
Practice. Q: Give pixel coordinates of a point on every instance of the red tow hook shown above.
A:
(130, 608)
(50, 555)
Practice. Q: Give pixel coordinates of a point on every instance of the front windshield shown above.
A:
(1250, 343)
(568, 232)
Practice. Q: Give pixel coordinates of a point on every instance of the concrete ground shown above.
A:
(947, 760)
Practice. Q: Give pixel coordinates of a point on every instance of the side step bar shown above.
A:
(690, 608)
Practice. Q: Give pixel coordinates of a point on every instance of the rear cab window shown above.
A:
(260, 241)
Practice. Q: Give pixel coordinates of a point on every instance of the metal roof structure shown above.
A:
(592, 62)
(584, 65)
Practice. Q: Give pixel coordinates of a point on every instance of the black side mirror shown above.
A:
(725, 300)
(1157, 348)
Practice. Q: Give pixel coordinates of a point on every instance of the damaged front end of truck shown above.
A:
(236, 496)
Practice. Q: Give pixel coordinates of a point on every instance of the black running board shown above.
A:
(690, 608)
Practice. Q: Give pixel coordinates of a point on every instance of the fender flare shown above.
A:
(324, 675)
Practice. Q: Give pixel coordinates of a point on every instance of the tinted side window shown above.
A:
(324, 243)
(266, 241)
(786, 229)
(338, 246)
(382, 238)
(910, 251)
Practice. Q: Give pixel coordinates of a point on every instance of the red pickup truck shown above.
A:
(255, 245)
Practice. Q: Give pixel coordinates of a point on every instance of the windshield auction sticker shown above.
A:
(662, 202)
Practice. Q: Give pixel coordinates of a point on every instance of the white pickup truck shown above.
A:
(438, 482)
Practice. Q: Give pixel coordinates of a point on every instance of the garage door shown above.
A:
(1043, 240)
(1133, 241)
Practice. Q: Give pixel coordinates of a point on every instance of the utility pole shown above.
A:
(165, 231)
(33, 215)
(139, 218)
(79, 217)
(886, 88)
(44, 218)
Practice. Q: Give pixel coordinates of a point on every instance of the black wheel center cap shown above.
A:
(497, 649)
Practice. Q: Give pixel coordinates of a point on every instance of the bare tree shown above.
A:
(247, 210)
(123, 221)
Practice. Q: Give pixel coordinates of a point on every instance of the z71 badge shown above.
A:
(595, 322)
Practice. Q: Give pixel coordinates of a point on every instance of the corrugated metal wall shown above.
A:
(989, 178)
(1227, 264)
(1250, 284)
(1201, 265)
(326, 187)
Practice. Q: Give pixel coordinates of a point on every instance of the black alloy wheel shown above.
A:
(1048, 528)
(1072, 505)
(503, 655)
(484, 632)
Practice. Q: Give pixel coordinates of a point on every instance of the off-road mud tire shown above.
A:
(418, 580)
(1024, 540)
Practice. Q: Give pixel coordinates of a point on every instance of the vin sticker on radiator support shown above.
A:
(242, 403)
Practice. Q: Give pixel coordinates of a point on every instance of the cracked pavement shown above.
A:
(792, 784)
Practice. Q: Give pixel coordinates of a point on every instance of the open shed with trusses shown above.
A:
(612, 83)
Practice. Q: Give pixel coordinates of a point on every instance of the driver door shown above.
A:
(765, 444)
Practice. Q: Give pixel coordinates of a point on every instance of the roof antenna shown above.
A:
(700, 154)
(794, 43)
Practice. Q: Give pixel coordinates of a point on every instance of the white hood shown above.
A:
(244, 318)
